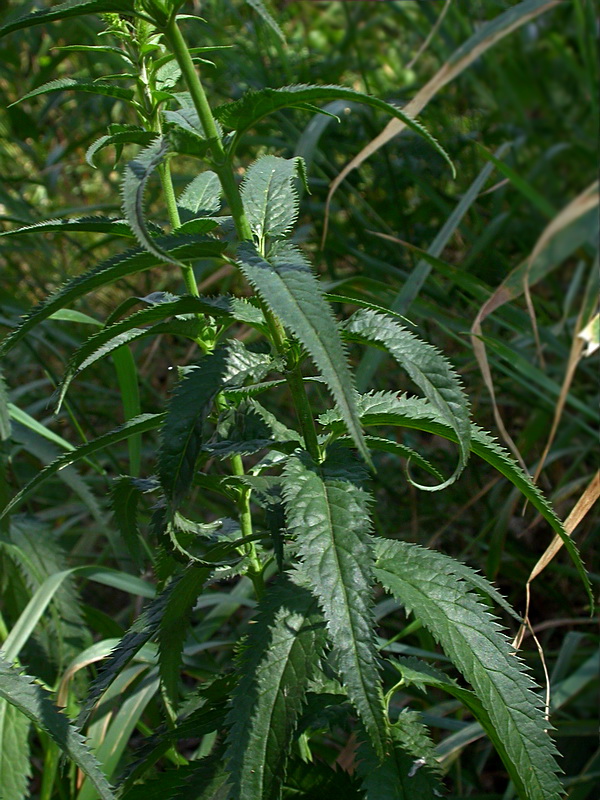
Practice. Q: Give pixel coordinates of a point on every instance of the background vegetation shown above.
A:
(521, 125)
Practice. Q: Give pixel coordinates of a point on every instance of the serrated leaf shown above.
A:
(269, 196)
(192, 400)
(115, 227)
(201, 197)
(286, 284)
(283, 648)
(205, 779)
(34, 701)
(15, 765)
(119, 139)
(139, 424)
(402, 775)
(116, 335)
(388, 408)
(478, 647)
(143, 630)
(250, 428)
(328, 512)
(263, 12)
(426, 366)
(135, 178)
(71, 84)
(125, 495)
(71, 8)
(123, 265)
(256, 104)
(173, 630)
(390, 446)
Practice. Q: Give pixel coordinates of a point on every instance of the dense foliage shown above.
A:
(256, 538)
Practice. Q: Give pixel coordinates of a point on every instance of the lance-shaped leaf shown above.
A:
(328, 512)
(254, 105)
(269, 195)
(427, 367)
(201, 197)
(135, 179)
(119, 333)
(476, 644)
(137, 425)
(71, 8)
(132, 135)
(409, 770)
(286, 284)
(32, 700)
(106, 89)
(121, 266)
(125, 494)
(387, 408)
(281, 653)
(15, 756)
(114, 227)
(250, 428)
(262, 11)
(192, 400)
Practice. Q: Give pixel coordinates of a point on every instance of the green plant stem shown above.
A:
(167, 184)
(255, 572)
(231, 191)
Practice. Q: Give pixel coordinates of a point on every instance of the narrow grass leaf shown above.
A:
(15, 764)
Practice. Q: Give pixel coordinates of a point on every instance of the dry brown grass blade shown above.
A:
(515, 284)
(474, 47)
(430, 36)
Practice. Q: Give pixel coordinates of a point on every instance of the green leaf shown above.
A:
(121, 266)
(4, 411)
(270, 197)
(125, 495)
(71, 8)
(262, 11)
(328, 512)
(140, 424)
(115, 227)
(248, 429)
(15, 765)
(480, 650)
(34, 701)
(388, 408)
(390, 446)
(135, 178)
(143, 630)
(174, 628)
(406, 773)
(317, 780)
(282, 650)
(256, 104)
(426, 366)
(106, 89)
(201, 197)
(133, 135)
(286, 284)
(192, 400)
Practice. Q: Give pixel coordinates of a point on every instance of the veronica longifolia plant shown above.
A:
(300, 527)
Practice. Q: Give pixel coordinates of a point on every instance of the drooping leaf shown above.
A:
(70, 8)
(388, 408)
(406, 773)
(181, 435)
(140, 424)
(481, 651)
(270, 197)
(201, 197)
(125, 495)
(286, 284)
(390, 446)
(114, 227)
(34, 702)
(131, 136)
(143, 630)
(426, 366)
(256, 104)
(123, 265)
(264, 13)
(71, 84)
(283, 648)
(15, 764)
(328, 512)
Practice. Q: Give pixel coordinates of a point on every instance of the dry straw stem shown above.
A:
(475, 46)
